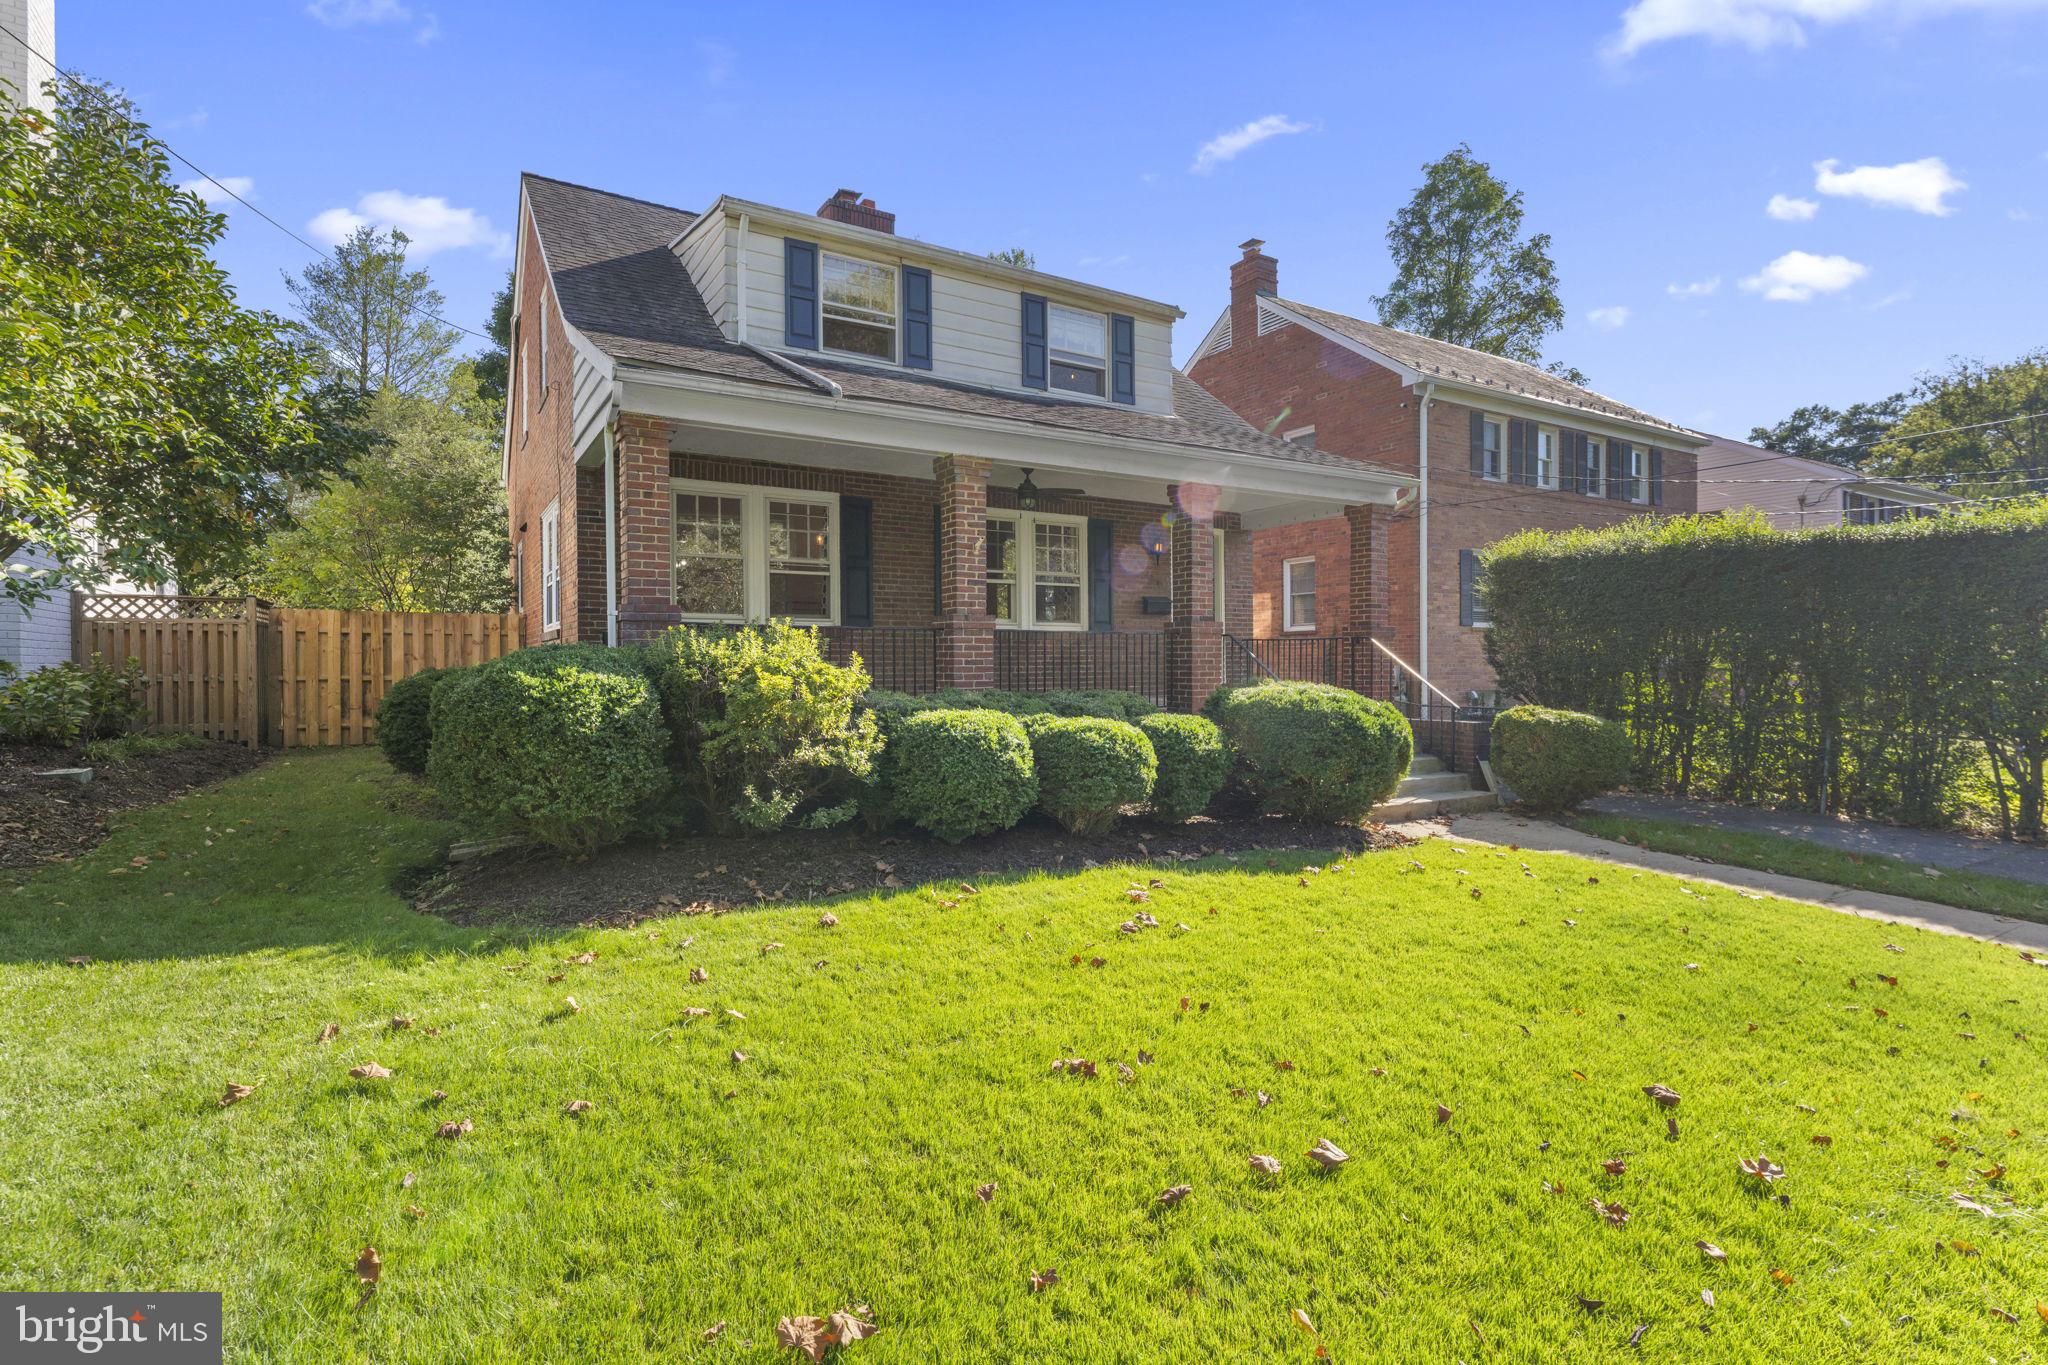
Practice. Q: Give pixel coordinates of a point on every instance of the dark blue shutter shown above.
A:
(1478, 445)
(1617, 470)
(1101, 575)
(1518, 451)
(1656, 477)
(1468, 584)
(938, 563)
(917, 318)
(856, 562)
(1034, 341)
(1123, 359)
(800, 293)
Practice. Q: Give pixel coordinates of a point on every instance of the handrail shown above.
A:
(1410, 668)
(1253, 655)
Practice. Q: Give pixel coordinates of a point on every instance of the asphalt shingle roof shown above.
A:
(620, 285)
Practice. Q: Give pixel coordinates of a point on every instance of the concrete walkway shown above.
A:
(1496, 827)
(1913, 847)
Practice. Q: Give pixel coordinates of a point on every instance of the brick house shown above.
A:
(1495, 446)
(974, 475)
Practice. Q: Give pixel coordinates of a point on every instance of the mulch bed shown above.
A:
(702, 874)
(46, 819)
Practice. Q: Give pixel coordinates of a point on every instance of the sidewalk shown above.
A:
(1913, 847)
(1495, 827)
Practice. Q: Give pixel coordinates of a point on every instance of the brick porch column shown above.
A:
(646, 529)
(1370, 525)
(1194, 637)
(966, 633)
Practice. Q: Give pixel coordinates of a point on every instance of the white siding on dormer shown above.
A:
(705, 255)
(977, 325)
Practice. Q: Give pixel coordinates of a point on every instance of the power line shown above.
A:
(322, 252)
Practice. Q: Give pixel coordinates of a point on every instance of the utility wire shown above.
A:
(322, 252)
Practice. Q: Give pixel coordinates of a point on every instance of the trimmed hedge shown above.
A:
(1194, 763)
(956, 774)
(1314, 751)
(405, 730)
(1105, 703)
(561, 743)
(1555, 759)
(1898, 670)
(1089, 768)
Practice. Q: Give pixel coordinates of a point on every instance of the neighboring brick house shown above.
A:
(751, 412)
(1509, 447)
(1795, 493)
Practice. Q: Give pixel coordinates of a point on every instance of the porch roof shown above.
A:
(620, 286)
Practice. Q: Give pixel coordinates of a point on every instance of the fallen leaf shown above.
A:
(1783, 1277)
(569, 1003)
(1283, 1066)
(578, 1107)
(582, 959)
(1997, 1171)
(1614, 1165)
(1327, 1154)
(399, 1021)
(1098, 962)
(1663, 1094)
(454, 1129)
(1615, 1214)
(1044, 1279)
(1822, 1140)
(369, 1071)
(415, 1211)
(985, 1192)
(1262, 1097)
(405, 1181)
(1590, 1305)
(810, 1336)
(1635, 1338)
(711, 1332)
(553, 977)
(1762, 1168)
(1075, 1066)
(1125, 1074)
(1711, 1252)
(1144, 1057)
(695, 1012)
(237, 1092)
(698, 976)
(1965, 1248)
(739, 1056)
(1266, 1165)
(1443, 1115)
(328, 1033)
(369, 1265)
(1174, 1194)
(1707, 1297)
(827, 920)
(1551, 1188)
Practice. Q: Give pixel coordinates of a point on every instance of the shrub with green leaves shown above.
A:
(1089, 769)
(956, 774)
(764, 730)
(1194, 763)
(105, 753)
(404, 719)
(1555, 759)
(65, 704)
(1314, 751)
(561, 743)
(1104, 702)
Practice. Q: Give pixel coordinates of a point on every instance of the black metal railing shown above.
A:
(1056, 661)
(899, 658)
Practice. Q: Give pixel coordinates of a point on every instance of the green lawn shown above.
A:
(1838, 867)
(900, 1059)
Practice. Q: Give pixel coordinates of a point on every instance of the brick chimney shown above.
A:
(846, 206)
(1251, 275)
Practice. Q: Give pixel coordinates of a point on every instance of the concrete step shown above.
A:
(1425, 763)
(1424, 807)
(1435, 785)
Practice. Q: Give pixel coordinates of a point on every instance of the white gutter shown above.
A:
(1422, 539)
(611, 542)
(740, 331)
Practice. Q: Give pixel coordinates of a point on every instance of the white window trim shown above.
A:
(754, 502)
(1298, 433)
(1287, 593)
(519, 576)
(1637, 475)
(1556, 453)
(1220, 543)
(895, 269)
(1078, 361)
(525, 387)
(1027, 568)
(1482, 615)
(1498, 474)
(551, 566)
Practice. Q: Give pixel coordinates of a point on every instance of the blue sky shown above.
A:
(1650, 140)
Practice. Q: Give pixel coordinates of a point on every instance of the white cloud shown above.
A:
(1786, 209)
(1698, 289)
(1922, 186)
(1760, 24)
(218, 191)
(1607, 319)
(1797, 276)
(430, 221)
(1228, 146)
(352, 13)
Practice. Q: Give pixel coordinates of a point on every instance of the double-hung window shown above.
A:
(857, 307)
(1636, 473)
(551, 567)
(745, 554)
(1595, 453)
(1493, 463)
(1543, 457)
(1078, 350)
(1037, 570)
(1298, 593)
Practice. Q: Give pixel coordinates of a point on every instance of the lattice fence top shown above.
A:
(123, 606)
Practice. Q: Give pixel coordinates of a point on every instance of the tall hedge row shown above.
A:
(1897, 670)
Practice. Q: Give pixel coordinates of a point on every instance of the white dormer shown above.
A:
(842, 286)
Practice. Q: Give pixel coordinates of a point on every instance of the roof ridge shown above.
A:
(609, 194)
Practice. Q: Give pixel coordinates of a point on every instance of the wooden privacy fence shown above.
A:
(240, 668)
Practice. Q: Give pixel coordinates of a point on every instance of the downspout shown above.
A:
(1422, 538)
(611, 541)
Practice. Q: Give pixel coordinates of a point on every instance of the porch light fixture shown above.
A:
(1028, 493)
(1155, 539)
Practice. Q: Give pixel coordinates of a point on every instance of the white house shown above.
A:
(1796, 493)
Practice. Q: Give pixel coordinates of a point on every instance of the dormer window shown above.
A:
(1079, 346)
(858, 303)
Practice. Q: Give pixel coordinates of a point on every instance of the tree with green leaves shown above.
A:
(1979, 430)
(1839, 436)
(1463, 272)
(376, 322)
(494, 366)
(1016, 256)
(149, 424)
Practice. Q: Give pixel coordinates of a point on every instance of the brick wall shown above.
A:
(540, 467)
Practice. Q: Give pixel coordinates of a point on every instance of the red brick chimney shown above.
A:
(846, 206)
(1251, 275)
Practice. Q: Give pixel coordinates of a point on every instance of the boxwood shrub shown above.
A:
(1194, 763)
(1089, 769)
(1314, 751)
(404, 719)
(1555, 759)
(956, 774)
(561, 743)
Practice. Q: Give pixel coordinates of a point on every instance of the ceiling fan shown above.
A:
(1028, 493)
